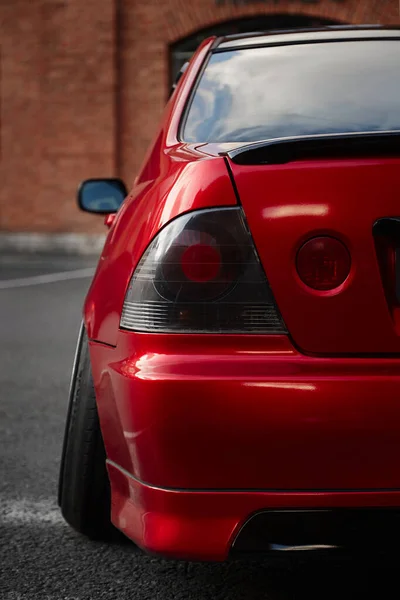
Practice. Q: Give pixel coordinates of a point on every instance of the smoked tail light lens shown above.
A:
(201, 274)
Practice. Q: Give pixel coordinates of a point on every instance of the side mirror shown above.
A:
(101, 196)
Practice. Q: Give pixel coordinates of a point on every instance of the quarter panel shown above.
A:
(187, 182)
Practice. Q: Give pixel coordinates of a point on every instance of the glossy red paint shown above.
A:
(201, 431)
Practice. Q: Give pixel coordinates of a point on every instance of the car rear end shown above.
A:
(256, 380)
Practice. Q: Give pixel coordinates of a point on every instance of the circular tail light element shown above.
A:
(323, 263)
(201, 263)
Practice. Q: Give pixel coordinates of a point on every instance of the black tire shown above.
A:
(84, 488)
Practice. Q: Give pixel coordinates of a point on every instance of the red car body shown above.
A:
(203, 431)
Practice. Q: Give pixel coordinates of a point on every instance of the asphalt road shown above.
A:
(40, 556)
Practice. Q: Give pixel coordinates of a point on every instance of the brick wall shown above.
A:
(57, 96)
(82, 86)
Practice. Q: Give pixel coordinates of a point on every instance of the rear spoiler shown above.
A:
(337, 145)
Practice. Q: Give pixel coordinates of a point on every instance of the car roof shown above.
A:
(303, 36)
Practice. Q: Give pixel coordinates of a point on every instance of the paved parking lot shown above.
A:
(40, 556)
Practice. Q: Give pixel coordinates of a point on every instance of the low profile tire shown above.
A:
(84, 488)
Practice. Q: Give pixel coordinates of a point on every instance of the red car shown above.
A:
(236, 386)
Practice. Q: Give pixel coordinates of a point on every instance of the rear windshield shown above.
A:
(260, 93)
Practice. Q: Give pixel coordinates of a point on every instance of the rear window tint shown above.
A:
(255, 94)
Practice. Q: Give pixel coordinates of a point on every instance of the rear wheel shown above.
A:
(84, 488)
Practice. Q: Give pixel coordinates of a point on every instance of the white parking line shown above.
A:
(50, 278)
(29, 511)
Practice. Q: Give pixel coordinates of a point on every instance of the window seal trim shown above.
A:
(272, 44)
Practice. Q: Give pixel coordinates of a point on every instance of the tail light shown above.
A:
(323, 263)
(201, 274)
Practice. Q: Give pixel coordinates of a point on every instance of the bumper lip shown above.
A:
(203, 525)
(313, 491)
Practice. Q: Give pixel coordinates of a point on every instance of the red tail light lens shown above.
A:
(201, 274)
(323, 263)
(201, 262)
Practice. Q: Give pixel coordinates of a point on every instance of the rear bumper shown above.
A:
(203, 431)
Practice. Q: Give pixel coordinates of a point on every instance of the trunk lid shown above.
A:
(306, 196)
